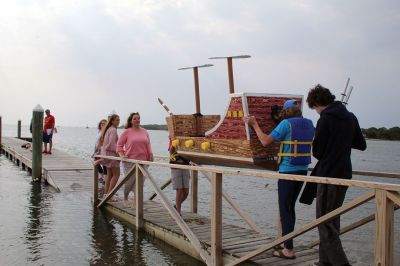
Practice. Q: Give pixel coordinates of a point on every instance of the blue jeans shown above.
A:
(288, 191)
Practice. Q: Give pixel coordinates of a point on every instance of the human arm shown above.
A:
(121, 143)
(321, 138)
(264, 138)
(359, 142)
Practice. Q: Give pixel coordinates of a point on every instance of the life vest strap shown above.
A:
(294, 154)
(296, 142)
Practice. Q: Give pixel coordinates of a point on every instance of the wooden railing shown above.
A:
(386, 195)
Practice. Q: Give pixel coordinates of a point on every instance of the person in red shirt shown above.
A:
(48, 129)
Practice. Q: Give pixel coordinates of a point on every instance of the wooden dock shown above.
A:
(60, 170)
(209, 239)
(236, 241)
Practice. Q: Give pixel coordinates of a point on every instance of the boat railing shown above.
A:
(386, 195)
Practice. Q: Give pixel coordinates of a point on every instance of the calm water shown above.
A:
(41, 227)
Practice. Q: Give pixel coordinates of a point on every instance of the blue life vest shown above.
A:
(301, 137)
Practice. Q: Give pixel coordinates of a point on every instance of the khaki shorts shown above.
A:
(180, 178)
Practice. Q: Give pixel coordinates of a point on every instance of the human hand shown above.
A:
(250, 120)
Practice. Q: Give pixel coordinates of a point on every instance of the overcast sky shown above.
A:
(84, 58)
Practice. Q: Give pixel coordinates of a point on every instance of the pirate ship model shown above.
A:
(226, 140)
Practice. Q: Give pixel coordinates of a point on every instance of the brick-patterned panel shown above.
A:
(260, 107)
(232, 127)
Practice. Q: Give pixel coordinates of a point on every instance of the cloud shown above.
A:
(84, 58)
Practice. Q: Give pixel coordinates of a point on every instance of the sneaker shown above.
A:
(44, 152)
(49, 152)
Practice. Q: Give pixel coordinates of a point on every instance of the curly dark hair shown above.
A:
(129, 120)
(319, 96)
(290, 112)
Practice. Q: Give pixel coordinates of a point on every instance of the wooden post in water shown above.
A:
(19, 129)
(37, 142)
(195, 182)
(95, 186)
(216, 220)
(139, 199)
(384, 229)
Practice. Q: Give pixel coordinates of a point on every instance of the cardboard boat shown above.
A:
(227, 140)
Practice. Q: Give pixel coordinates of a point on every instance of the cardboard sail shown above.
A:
(227, 140)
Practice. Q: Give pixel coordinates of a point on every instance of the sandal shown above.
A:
(280, 254)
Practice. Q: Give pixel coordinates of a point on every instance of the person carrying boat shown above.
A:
(295, 135)
(180, 177)
(336, 134)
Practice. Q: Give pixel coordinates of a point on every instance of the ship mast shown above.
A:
(196, 83)
(230, 68)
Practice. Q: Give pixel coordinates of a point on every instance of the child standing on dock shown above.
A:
(48, 130)
(108, 142)
(295, 135)
(97, 149)
(134, 143)
(180, 177)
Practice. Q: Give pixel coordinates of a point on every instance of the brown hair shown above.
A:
(290, 112)
(101, 122)
(129, 120)
(319, 96)
(109, 123)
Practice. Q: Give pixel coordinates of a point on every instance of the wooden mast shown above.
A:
(230, 68)
(196, 83)
(197, 96)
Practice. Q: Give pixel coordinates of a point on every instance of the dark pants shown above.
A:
(329, 198)
(288, 191)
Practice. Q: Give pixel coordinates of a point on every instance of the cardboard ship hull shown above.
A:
(228, 141)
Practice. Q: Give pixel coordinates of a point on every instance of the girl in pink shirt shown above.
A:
(134, 143)
(108, 141)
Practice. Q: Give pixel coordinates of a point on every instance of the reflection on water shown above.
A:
(41, 227)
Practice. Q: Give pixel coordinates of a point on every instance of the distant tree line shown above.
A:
(155, 127)
(382, 133)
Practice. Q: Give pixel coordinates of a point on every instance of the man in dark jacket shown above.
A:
(337, 132)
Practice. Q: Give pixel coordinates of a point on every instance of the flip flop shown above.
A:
(278, 247)
(282, 255)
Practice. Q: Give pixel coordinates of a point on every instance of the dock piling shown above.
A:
(216, 220)
(95, 187)
(194, 194)
(37, 142)
(139, 200)
(19, 129)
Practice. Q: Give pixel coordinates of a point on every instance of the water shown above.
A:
(41, 227)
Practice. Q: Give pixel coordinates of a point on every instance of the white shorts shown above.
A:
(180, 178)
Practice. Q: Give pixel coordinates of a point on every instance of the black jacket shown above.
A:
(337, 132)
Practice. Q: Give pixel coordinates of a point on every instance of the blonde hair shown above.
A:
(109, 123)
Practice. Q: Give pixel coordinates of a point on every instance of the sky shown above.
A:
(83, 59)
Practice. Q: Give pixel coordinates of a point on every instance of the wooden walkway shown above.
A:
(61, 170)
(236, 241)
(68, 174)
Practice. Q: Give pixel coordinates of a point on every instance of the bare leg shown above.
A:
(50, 144)
(114, 179)
(108, 180)
(178, 199)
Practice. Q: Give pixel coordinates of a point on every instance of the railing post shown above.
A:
(19, 129)
(37, 142)
(384, 229)
(194, 194)
(95, 186)
(216, 220)
(139, 199)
